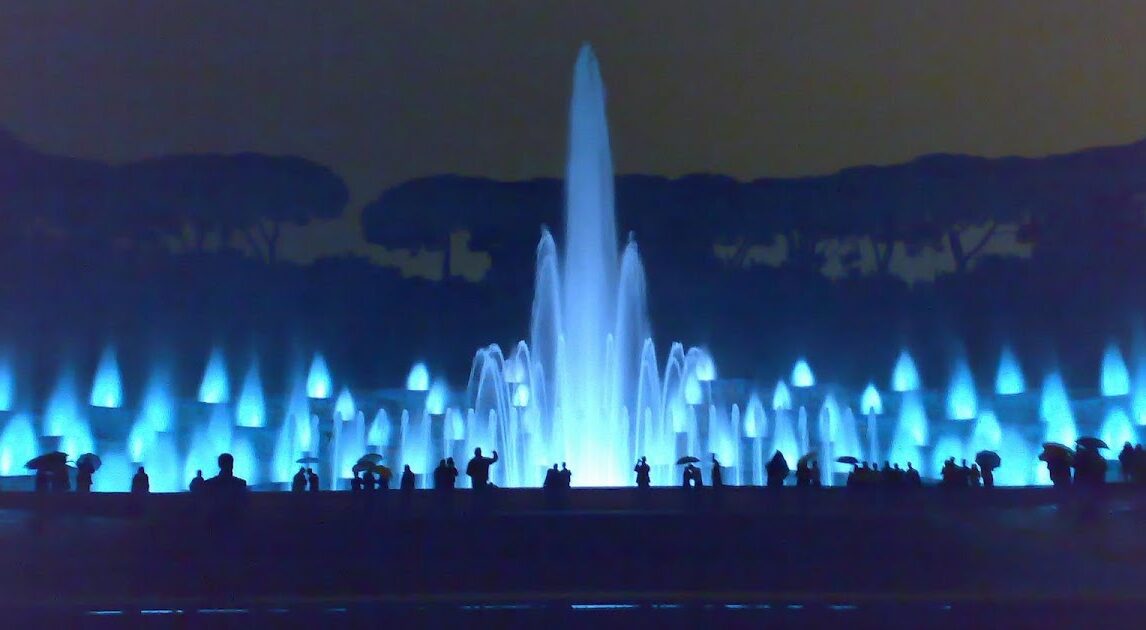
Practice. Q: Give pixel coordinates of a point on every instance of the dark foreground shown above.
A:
(755, 556)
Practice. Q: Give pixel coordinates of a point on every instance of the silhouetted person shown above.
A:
(440, 475)
(197, 482)
(975, 476)
(814, 474)
(407, 482)
(451, 474)
(84, 472)
(298, 482)
(369, 481)
(688, 478)
(777, 470)
(1126, 462)
(1089, 467)
(551, 478)
(565, 478)
(356, 483)
(911, 476)
(717, 475)
(311, 480)
(225, 481)
(140, 484)
(803, 474)
(478, 469)
(642, 469)
(988, 476)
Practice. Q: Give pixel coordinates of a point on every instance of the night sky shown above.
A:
(385, 91)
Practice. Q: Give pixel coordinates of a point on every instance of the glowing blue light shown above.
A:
(251, 410)
(693, 393)
(63, 411)
(140, 439)
(870, 401)
(18, 444)
(115, 473)
(7, 385)
(418, 380)
(164, 469)
(158, 408)
(379, 432)
(220, 431)
(913, 420)
(216, 386)
(1054, 404)
(1019, 462)
(246, 462)
(705, 367)
(283, 458)
(802, 374)
(781, 397)
(520, 396)
(962, 401)
(107, 388)
(755, 420)
(987, 434)
(439, 392)
(1115, 376)
(904, 377)
(1138, 401)
(344, 406)
(1009, 380)
(514, 370)
(1117, 429)
(318, 382)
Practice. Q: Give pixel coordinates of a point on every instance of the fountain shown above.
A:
(586, 387)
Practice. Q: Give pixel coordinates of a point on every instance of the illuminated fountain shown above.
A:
(586, 388)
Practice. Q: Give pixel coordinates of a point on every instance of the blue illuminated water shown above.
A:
(1115, 376)
(904, 377)
(802, 374)
(1009, 379)
(107, 388)
(252, 409)
(215, 387)
(318, 383)
(871, 401)
(962, 399)
(419, 378)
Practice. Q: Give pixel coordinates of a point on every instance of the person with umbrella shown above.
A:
(988, 461)
(803, 469)
(1089, 465)
(690, 477)
(140, 483)
(717, 475)
(86, 466)
(1058, 459)
(1126, 462)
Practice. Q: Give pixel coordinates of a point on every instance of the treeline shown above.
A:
(169, 256)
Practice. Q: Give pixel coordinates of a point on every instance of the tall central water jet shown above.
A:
(590, 260)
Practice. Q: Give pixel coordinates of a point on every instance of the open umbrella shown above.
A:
(848, 459)
(988, 460)
(373, 458)
(90, 459)
(309, 459)
(382, 472)
(1091, 442)
(1054, 450)
(48, 460)
(687, 459)
(806, 458)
